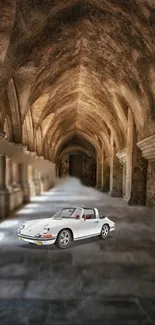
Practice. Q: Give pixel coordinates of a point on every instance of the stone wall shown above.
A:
(150, 190)
(88, 178)
(106, 178)
(139, 177)
(116, 175)
(64, 167)
(117, 179)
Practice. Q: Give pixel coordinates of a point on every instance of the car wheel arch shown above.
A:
(71, 231)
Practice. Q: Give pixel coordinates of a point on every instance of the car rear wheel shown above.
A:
(64, 239)
(105, 231)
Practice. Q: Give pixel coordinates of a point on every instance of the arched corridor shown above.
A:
(80, 78)
(77, 99)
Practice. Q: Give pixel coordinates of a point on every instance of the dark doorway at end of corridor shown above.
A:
(80, 166)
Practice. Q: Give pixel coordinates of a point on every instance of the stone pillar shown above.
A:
(101, 169)
(4, 193)
(23, 180)
(136, 169)
(15, 172)
(98, 173)
(122, 156)
(106, 175)
(9, 173)
(147, 146)
(36, 183)
(116, 171)
(102, 175)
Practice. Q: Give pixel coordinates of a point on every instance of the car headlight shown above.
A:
(46, 229)
(22, 226)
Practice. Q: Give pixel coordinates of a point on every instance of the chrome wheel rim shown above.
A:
(105, 231)
(64, 238)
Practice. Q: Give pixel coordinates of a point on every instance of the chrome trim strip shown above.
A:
(36, 238)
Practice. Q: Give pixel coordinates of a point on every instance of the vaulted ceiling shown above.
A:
(78, 66)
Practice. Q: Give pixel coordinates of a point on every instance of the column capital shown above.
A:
(147, 146)
(122, 155)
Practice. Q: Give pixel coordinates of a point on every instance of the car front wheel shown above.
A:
(105, 232)
(64, 239)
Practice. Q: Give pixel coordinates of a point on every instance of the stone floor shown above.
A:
(93, 281)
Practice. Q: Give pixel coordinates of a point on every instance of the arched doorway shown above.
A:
(80, 165)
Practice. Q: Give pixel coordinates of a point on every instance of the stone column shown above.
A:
(106, 175)
(147, 146)
(136, 167)
(122, 156)
(4, 193)
(101, 169)
(102, 175)
(116, 171)
(98, 173)
(23, 180)
(15, 172)
(43, 184)
(9, 173)
(36, 181)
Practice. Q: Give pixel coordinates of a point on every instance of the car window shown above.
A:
(77, 213)
(66, 213)
(90, 214)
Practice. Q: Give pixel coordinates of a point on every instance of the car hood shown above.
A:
(36, 226)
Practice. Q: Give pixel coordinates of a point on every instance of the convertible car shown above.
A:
(65, 226)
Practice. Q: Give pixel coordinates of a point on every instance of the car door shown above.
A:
(89, 224)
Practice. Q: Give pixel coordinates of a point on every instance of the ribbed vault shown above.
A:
(77, 68)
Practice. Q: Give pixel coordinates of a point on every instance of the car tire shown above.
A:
(105, 231)
(64, 239)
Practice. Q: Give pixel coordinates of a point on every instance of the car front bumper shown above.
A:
(37, 241)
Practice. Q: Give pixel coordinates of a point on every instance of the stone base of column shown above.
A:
(115, 193)
(133, 201)
(45, 184)
(37, 188)
(4, 203)
(15, 198)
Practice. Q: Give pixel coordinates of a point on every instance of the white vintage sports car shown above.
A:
(65, 226)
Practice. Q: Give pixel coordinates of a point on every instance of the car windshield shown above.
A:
(68, 213)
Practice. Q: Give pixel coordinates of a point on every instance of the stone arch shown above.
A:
(27, 131)
(38, 142)
(72, 148)
(83, 135)
(14, 110)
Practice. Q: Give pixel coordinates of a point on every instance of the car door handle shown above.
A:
(96, 221)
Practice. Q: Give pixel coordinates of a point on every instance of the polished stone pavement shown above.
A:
(93, 281)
